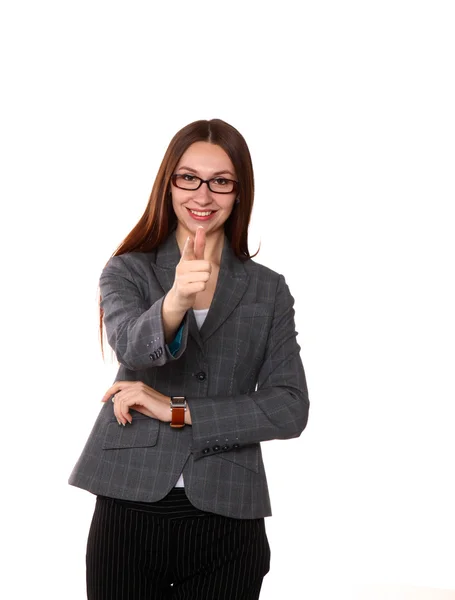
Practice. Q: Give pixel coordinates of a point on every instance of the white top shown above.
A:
(200, 315)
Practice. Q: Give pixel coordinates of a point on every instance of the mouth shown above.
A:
(203, 215)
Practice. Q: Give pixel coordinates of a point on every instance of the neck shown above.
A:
(214, 243)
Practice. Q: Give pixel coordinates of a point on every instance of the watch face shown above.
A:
(178, 402)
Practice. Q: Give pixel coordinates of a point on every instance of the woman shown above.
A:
(209, 368)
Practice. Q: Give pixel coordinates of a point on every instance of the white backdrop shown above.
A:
(347, 108)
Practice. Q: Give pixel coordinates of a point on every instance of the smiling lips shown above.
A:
(201, 215)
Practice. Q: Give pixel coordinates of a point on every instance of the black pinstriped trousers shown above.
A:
(171, 550)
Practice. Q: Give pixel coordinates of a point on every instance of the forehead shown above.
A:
(206, 158)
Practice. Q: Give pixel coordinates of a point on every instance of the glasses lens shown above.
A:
(221, 185)
(187, 182)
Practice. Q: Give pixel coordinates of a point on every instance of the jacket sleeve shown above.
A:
(134, 328)
(278, 409)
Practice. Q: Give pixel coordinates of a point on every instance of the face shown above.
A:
(203, 207)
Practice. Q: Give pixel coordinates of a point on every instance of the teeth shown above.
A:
(201, 214)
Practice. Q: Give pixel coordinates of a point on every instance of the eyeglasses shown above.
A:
(219, 185)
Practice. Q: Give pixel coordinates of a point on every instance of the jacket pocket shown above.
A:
(257, 309)
(141, 434)
(247, 457)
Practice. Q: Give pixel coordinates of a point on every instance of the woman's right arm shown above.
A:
(138, 333)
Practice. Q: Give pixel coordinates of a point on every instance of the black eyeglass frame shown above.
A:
(175, 176)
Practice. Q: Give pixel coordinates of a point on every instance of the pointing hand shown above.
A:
(192, 272)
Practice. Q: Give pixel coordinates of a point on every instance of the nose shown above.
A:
(202, 195)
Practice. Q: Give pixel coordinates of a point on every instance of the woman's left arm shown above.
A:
(279, 407)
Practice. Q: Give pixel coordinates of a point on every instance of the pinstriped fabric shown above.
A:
(228, 563)
(138, 551)
(173, 506)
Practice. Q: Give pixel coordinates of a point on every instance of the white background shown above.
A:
(348, 110)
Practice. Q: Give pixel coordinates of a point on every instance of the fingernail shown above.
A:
(118, 421)
(123, 424)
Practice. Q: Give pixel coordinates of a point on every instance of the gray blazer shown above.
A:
(241, 373)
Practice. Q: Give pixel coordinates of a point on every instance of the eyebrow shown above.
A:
(214, 174)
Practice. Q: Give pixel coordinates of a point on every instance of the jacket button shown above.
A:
(236, 445)
(215, 448)
(201, 375)
(225, 447)
(206, 450)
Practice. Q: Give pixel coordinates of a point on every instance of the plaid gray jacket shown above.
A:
(241, 374)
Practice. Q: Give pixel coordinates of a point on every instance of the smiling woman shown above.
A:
(200, 193)
(209, 368)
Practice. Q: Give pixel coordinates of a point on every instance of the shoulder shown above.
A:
(269, 283)
(131, 265)
(261, 272)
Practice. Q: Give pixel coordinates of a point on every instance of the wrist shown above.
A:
(172, 317)
(172, 305)
(178, 408)
(188, 420)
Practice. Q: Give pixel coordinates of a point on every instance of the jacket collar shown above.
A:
(230, 288)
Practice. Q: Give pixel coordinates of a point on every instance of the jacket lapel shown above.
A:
(230, 288)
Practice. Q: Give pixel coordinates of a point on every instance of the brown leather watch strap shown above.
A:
(178, 408)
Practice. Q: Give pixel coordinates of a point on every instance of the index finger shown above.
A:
(117, 387)
(199, 243)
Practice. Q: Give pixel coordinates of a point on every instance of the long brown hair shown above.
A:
(159, 219)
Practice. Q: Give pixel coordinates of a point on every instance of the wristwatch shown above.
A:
(178, 408)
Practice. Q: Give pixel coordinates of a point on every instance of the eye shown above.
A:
(188, 177)
(220, 181)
